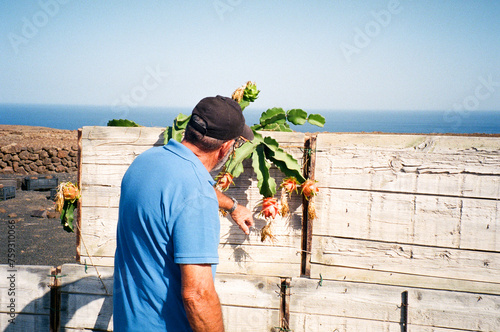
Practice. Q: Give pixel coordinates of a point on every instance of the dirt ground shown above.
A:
(37, 240)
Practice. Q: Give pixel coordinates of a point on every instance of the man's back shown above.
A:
(168, 216)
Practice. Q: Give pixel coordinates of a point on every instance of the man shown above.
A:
(168, 226)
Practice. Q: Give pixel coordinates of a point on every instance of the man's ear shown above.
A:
(225, 148)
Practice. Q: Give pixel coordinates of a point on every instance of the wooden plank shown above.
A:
(480, 225)
(246, 319)
(243, 299)
(247, 290)
(25, 322)
(31, 288)
(345, 299)
(453, 166)
(85, 311)
(124, 135)
(453, 310)
(409, 259)
(81, 279)
(440, 221)
(401, 279)
(300, 322)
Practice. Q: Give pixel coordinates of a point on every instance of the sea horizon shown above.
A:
(72, 117)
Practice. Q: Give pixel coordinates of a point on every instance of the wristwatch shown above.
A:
(235, 204)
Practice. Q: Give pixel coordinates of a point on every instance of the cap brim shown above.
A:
(247, 133)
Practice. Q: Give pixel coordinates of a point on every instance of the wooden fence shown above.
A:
(407, 236)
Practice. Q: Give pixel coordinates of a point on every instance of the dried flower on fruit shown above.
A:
(310, 188)
(224, 180)
(270, 208)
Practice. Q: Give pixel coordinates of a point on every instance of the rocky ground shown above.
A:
(39, 238)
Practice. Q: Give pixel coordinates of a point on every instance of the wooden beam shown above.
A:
(78, 220)
(307, 220)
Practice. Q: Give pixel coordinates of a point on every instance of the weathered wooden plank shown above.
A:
(401, 279)
(99, 153)
(84, 279)
(124, 135)
(25, 322)
(100, 196)
(480, 225)
(247, 290)
(345, 299)
(409, 259)
(300, 322)
(103, 175)
(86, 311)
(28, 285)
(456, 166)
(248, 302)
(405, 218)
(453, 310)
(336, 301)
(249, 319)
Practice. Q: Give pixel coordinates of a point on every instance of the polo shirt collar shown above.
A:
(184, 153)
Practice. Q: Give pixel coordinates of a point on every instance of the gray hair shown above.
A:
(204, 143)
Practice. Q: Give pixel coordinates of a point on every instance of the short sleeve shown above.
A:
(196, 232)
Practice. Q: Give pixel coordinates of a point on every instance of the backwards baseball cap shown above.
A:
(223, 118)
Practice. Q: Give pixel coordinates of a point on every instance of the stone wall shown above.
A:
(15, 159)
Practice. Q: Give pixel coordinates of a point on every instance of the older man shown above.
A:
(168, 226)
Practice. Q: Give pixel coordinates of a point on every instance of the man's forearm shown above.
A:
(204, 312)
(225, 202)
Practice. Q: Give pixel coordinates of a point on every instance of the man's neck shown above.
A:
(208, 159)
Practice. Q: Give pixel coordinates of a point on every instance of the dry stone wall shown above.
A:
(23, 160)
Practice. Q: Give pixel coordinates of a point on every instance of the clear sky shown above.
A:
(340, 55)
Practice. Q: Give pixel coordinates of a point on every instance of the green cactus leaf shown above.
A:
(297, 116)
(266, 184)
(243, 104)
(285, 127)
(272, 115)
(177, 130)
(316, 119)
(122, 123)
(240, 154)
(285, 162)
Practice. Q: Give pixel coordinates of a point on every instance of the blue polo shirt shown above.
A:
(168, 216)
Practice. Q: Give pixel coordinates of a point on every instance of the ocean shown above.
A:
(426, 122)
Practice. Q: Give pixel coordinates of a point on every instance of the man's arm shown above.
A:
(241, 216)
(200, 298)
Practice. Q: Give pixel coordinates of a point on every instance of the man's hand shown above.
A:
(241, 216)
(200, 298)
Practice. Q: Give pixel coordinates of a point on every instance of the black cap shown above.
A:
(223, 117)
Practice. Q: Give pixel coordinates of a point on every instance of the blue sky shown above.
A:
(340, 55)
